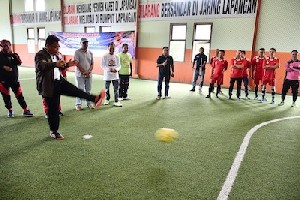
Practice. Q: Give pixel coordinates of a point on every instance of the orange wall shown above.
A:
(146, 65)
(183, 70)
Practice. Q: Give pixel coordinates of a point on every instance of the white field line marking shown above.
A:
(26, 79)
(227, 186)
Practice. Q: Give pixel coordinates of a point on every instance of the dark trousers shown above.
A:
(246, 82)
(238, 88)
(116, 88)
(167, 77)
(287, 84)
(62, 87)
(16, 88)
(124, 85)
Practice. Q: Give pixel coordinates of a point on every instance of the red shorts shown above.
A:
(218, 79)
(270, 82)
(258, 78)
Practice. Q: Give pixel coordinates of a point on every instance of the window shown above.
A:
(40, 5)
(202, 38)
(177, 41)
(28, 5)
(89, 29)
(41, 37)
(30, 40)
(103, 29)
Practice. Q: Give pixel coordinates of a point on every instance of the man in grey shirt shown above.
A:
(83, 71)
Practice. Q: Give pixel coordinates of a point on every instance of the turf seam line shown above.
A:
(227, 186)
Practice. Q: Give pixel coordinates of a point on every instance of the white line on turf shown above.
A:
(25, 79)
(227, 186)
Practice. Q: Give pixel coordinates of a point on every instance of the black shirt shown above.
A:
(199, 59)
(165, 69)
(11, 60)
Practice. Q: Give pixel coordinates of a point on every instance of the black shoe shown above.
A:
(192, 90)
(208, 96)
(217, 96)
(10, 114)
(61, 114)
(27, 113)
(56, 136)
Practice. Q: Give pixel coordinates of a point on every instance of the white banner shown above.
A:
(195, 9)
(52, 16)
(104, 12)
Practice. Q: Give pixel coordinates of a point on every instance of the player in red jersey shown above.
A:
(212, 59)
(247, 66)
(237, 67)
(270, 65)
(257, 69)
(219, 65)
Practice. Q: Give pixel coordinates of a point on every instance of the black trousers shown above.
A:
(124, 85)
(62, 87)
(167, 77)
(16, 88)
(238, 87)
(287, 84)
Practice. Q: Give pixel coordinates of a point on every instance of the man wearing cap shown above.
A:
(83, 71)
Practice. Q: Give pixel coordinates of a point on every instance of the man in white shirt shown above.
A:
(111, 66)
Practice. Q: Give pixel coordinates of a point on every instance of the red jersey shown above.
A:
(212, 59)
(219, 66)
(247, 65)
(237, 72)
(270, 73)
(257, 64)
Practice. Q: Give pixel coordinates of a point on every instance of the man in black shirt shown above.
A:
(200, 60)
(9, 78)
(165, 64)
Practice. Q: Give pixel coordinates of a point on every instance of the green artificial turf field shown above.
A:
(123, 160)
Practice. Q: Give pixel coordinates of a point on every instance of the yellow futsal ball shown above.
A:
(166, 135)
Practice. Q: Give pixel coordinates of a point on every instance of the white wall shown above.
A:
(279, 25)
(228, 33)
(5, 26)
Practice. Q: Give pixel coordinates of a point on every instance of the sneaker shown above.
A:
(27, 113)
(118, 104)
(46, 116)
(91, 106)
(167, 97)
(217, 96)
(99, 99)
(60, 114)
(192, 90)
(10, 114)
(158, 97)
(281, 103)
(238, 99)
(247, 98)
(126, 98)
(272, 102)
(200, 89)
(120, 99)
(208, 96)
(293, 104)
(263, 100)
(255, 98)
(56, 136)
(229, 97)
(106, 102)
(78, 107)
(220, 92)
